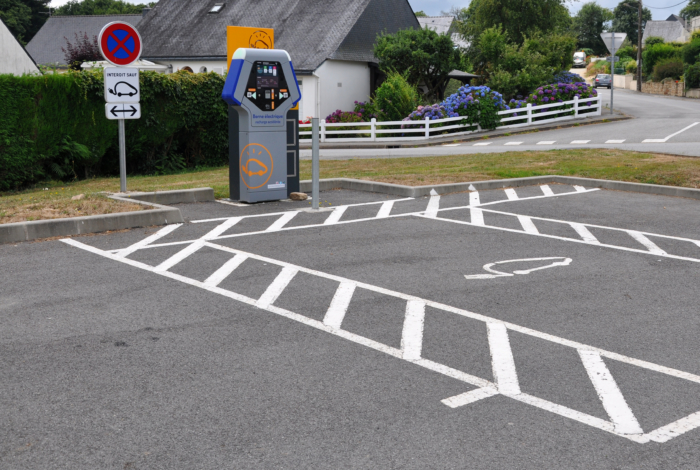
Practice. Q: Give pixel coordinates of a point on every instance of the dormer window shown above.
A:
(217, 7)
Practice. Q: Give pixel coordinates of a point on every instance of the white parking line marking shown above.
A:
(412, 335)
(474, 199)
(512, 195)
(224, 271)
(385, 210)
(546, 190)
(502, 359)
(281, 222)
(580, 189)
(675, 429)
(339, 305)
(670, 136)
(651, 246)
(433, 204)
(610, 394)
(469, 397)
(527, 224)
(221, 228)
(482, 144)
(513, 143)
(546, 142)
(148, 240)
(615, 141)
(580, 141)
(179, 256)
(498, 340)
(477, 216)
(335, 216)
(585, 234)
(275, 289)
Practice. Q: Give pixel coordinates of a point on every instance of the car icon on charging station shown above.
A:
(123, 89)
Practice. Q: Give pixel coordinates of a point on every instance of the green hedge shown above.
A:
(53, 126)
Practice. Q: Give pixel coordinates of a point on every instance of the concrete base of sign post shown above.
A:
(158, 214)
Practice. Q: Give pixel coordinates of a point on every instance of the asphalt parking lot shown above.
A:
(538, 327)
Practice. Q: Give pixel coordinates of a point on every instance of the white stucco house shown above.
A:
(330, 42)
(15, 59)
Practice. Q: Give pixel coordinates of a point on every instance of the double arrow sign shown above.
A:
(123, 111)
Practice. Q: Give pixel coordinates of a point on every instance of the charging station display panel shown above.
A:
(267, 86)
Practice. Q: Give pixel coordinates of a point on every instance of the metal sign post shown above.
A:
(120, 44)
(611, 40)
(315, 164)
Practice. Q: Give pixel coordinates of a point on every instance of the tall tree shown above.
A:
(625, 18)
(691, 10)
(518, 18)
(24, 17)
(591, 20)
(100, 7)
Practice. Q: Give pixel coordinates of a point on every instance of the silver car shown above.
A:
(603, 79)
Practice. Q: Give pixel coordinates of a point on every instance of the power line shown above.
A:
(665, 8)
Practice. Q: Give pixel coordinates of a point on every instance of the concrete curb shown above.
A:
(306, 143)
(158, 215)
(420, 191)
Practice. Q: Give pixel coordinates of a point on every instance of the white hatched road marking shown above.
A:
(546, 190)
(474, 199)
(224, 271)
(502, 360)
(513, 143)
(586, 234)
(282, 221)
(385, 210)
(179, 256)
(651, 246)
(580, 189)
(527, 224)
(670, 136)
(580, 141)
(275, 289)
(477, 216)
(220, 229)
(512, 195)
(610, 394)
(433, 205)
(335, 216)
(412, 335)
(470, 397)
(339, 305)
(546, 142)
(615, 141)
(148, 240)
(502, 357)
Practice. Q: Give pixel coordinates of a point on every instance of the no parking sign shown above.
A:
(120, 43)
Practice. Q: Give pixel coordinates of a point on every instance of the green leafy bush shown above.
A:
(655, 53)
(395, 98)
(599, 66)
(54, 126)
(691, 52)
(652, 40)
(628, 51)
(669, 68)
(692, 76)
(631, 67)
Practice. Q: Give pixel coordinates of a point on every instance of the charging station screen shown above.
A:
(267, 87)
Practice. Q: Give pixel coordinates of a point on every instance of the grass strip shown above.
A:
(53, 199)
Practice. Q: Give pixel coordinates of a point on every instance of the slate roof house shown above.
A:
(45, 46)
(330, 41)
(673, 29)
(15, 59)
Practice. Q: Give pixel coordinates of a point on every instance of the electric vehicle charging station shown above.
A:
(261, 88)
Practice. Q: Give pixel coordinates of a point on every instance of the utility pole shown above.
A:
(639, 47)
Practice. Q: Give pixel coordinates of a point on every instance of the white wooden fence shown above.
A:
(433, 128)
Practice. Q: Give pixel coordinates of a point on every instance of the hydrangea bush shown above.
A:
(567, 77)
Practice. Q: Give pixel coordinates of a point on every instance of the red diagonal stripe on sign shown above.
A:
(120, 44)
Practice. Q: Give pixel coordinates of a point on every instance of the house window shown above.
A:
(202, 70)
(217, 7)
(187, 69)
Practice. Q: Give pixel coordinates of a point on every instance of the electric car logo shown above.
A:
(256, 166)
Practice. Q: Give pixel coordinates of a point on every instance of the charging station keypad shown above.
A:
(267, 87)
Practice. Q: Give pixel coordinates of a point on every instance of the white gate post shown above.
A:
(529, 113)
(373, 127)
(323, 130)
(427, 127)
(575, 106)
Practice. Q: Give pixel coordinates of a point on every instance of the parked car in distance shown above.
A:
(602, 79)
(579, 59)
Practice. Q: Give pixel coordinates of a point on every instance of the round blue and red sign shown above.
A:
(120, 43)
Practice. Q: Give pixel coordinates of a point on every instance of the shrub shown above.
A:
(395, 98)
(343, 116)
(652, 40)
(367, 110)
(628, 51)
(84, 50)
(655, 53)
(691, 52)
(692, 76)
(631, 67)
(669, 68)
(567, 77)
(600, 66)
(558, 93)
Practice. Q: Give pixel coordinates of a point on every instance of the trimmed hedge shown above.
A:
(54, 127)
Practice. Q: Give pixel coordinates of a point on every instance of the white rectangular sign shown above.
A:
(122, 85)
(123, 110)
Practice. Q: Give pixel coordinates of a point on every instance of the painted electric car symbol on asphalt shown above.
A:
(260, 40)
(256, 162)
(123, 89)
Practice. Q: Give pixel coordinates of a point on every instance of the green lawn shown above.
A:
(589, 163)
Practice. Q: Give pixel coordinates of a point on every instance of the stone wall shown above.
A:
(693, 92)
(664, 88)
